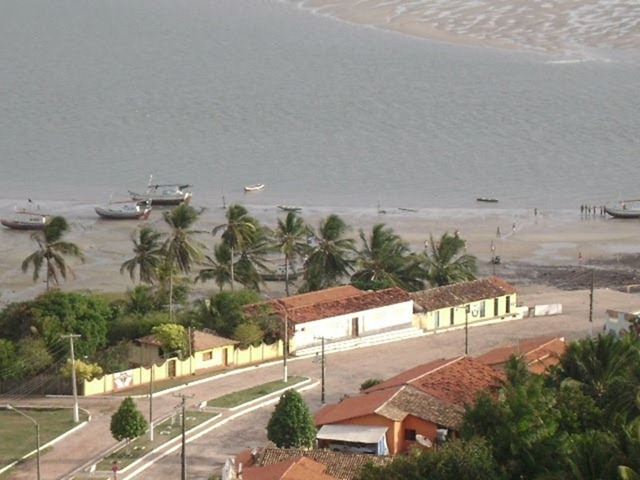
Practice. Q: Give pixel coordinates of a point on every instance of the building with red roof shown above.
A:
(418, 406)
(339, 312)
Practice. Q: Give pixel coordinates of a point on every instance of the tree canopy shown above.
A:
(291, 424)
(128, 422)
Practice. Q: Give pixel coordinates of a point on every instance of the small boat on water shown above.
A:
(487, 199)
(624, 209)
(254, 188)
(26, 220)
(127, 210)
(164, 194)
(289, 208)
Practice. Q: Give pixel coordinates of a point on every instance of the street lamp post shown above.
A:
(323, 364)
(37, 436)
(151, 378)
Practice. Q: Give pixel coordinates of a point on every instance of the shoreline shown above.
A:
(562, 238)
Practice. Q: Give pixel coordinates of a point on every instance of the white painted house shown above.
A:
(339, 312)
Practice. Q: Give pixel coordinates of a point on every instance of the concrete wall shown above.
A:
(342, 326)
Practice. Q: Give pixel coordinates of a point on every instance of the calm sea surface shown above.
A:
(98, 95)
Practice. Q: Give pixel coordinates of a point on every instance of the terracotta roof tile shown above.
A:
(207, 341)
(539, 353)
(352, 407)
(201, 341)
(456, 381)
(420, 405)
(327, 306)
(461, 293)
(342, 466)
(301, 468)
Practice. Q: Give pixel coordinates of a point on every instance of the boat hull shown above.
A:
(622, 213)
(22, 225)
(118, 215)
(487, 200)
(163, 199)
(253, 188)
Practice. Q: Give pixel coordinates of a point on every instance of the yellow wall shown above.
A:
(428, 320)
(189, 366)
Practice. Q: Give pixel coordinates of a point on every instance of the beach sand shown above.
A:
(548, 248)
(542, 26)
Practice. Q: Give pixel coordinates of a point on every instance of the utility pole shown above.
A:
(74, 386)
(323, 363)
(184, 434)
(37, 425)
(591, 308)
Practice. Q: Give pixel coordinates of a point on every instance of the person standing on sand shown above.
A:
(498, 232)
(514, 228)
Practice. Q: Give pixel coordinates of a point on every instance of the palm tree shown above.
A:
(217, 268)
(148, 256)
(290, 238)
(236, 232)
(253, 257)
(51, 251)
(385, 260)
(446, 263)
(180, 248)
(331, 258)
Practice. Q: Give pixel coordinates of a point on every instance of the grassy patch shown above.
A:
(162, 433)
(19, 434)
(243, 396)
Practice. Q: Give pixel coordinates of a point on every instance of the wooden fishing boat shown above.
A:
(164, 193)
(26, 220)
(624, 209)
(127, 210)
(487, 199)
(288, 208)
(254, 188)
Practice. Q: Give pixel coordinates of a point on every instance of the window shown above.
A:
(436, 316)
(452, 316)
(496, 306)
(508, 305)
(410, 434)
(482, 310)
(207, 355)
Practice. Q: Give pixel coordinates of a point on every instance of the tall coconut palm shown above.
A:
(386, 260)
(446, 263)
(51, 252)
(236, 232)
(290, 238)
(252, 257)
(147, 249)
(332, 258)
(217, 268)
(180, 248)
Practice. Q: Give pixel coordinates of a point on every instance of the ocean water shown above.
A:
(98, 95)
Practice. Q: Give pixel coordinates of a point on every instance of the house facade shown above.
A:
(208, 351)
(339, 312)
(455, 305)
(419, 407)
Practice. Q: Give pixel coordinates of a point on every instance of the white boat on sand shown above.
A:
(165, 194)
(254, 188)
(26, 220)
(126, 210)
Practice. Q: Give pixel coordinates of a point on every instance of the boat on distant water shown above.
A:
(289, 208)
(487, 199)
(254, 188)
(164, 193)
(126, 210)
(624, 209)
(26, 220)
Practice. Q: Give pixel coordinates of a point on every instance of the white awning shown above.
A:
(351, 433)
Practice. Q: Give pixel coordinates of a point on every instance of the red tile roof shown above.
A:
(331, 304)
(539, 353)
(301, 468)
(457, 381)
(461, 293)
(353, 407)
(201, 341)
(342, 466)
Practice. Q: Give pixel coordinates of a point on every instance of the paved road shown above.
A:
(345, 372)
